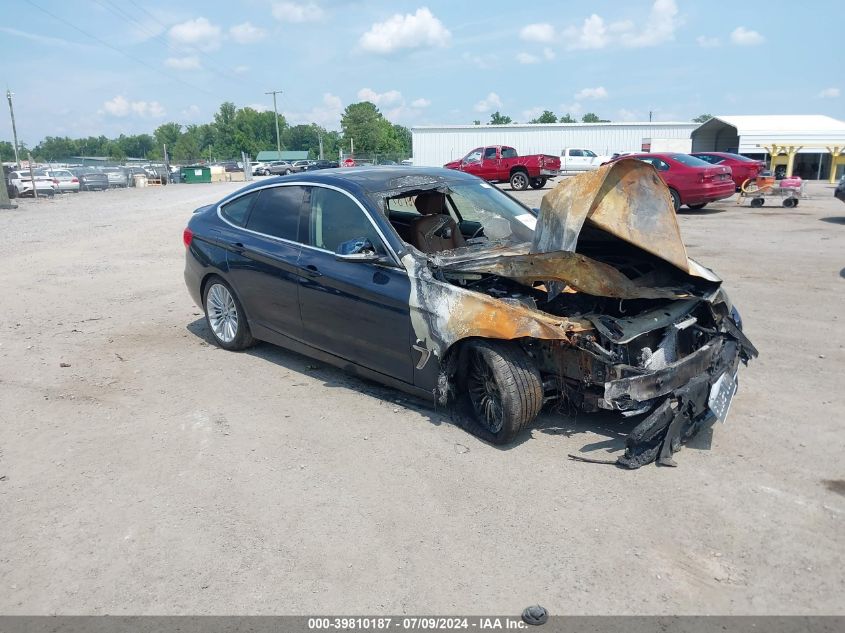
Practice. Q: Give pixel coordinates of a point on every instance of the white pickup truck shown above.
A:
(573, 160)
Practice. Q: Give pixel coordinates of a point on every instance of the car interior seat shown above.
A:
(435, 230)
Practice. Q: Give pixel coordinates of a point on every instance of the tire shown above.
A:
(287, 172)
(538, 183)
(676, 199)
(225, 316)
(519, 181)
(790, 202)
(266, 172)
(696, 207)
(757, 202)
(502, 390)
(13, 192)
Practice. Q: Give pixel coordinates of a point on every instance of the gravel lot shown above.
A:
(144, 471)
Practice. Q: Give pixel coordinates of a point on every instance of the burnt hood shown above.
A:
(626, 200)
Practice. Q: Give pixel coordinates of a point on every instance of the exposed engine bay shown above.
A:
(602, 298)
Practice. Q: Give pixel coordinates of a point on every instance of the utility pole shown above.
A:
(9, 95)
(276, 112)
(320, 141)
(649, 116)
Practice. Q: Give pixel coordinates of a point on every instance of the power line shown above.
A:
(119, 51)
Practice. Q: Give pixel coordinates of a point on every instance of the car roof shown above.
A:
(377, 178)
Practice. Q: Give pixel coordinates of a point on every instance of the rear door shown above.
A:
(262, 254)
(354, 310)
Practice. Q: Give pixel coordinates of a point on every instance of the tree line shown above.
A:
(497, 118)
(234, 130)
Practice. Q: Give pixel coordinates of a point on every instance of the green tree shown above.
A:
(702, 118)
(499, 119)
(166, 134)
(364, 124)
(566, 118)
(476, 122)
(547, 117)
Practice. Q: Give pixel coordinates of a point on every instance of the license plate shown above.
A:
(721, 394)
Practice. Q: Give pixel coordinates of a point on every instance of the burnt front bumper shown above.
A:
(680, 399)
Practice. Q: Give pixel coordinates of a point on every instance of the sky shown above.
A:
(92, 67)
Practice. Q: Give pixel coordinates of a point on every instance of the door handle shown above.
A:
(238, 247)
(312, 271)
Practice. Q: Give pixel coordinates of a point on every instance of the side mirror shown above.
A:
(359, 249)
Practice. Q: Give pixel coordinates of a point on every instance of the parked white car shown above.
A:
(67, 181)
(20, 184)
(574, 159)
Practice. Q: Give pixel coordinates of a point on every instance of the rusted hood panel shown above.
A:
(626, 198)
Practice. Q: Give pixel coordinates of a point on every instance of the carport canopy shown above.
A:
(781, 136)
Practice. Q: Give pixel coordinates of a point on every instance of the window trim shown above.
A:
(305, 183)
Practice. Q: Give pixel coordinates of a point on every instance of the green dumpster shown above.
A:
(196, 173)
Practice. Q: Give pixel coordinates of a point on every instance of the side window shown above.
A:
(576, 152)
(661, 164)
(490, 153)
(509, 152)
(473, 157)
(589, 153)
(236, 210)
(336, 218)
(276, 212)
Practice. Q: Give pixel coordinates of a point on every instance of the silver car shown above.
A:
(117, 176)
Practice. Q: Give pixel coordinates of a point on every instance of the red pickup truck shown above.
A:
(500, 163)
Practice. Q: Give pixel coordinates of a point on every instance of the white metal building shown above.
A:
(811, 144)
(435, 145)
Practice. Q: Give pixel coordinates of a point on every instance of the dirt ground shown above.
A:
(145, 471)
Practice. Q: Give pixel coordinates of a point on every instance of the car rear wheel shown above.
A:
(519, 181)
(503, 390)
(287, 172)
(225, 316)
(676, 199)
(757, 202)
(538, 183)
(696, 207)
(266, 172)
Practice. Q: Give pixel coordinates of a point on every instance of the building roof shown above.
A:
(751, 133)
(283, 155)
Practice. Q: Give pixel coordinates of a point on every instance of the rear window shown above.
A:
(690, 161)
(509, 152)
(742, 158)
(236, 210)
(276, 212)
(709, 158)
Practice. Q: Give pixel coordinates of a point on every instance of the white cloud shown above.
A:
(742, 36)
(297, 12)
(829, 93)
(657, 28)
(247, 33)
(591, 93)
(591, 35)
(541, 32)
(420, 103)
(391, 97)
(258, 107)
(627, 115)
(200, 34)
(573, 109)
(192, 112)
(412, 30)
(527, 58)
(483, 61)
(240, 70)
(326, 114)
(120, 106)
(548, 53)
(487, 104)
(190, 62)
(531, 113)
(708, 42)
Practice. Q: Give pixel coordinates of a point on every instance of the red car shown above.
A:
(691, 181)
(743, 168)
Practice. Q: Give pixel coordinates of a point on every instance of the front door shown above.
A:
(355, 310)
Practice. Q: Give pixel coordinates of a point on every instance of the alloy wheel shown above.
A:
(222, 313)
(484, 394)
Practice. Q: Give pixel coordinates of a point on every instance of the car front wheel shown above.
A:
(538, 183)
(676, 199)
(696, 207)
(501, 391)
(225, 316)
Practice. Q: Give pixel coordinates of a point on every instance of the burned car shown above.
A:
(440, 284)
